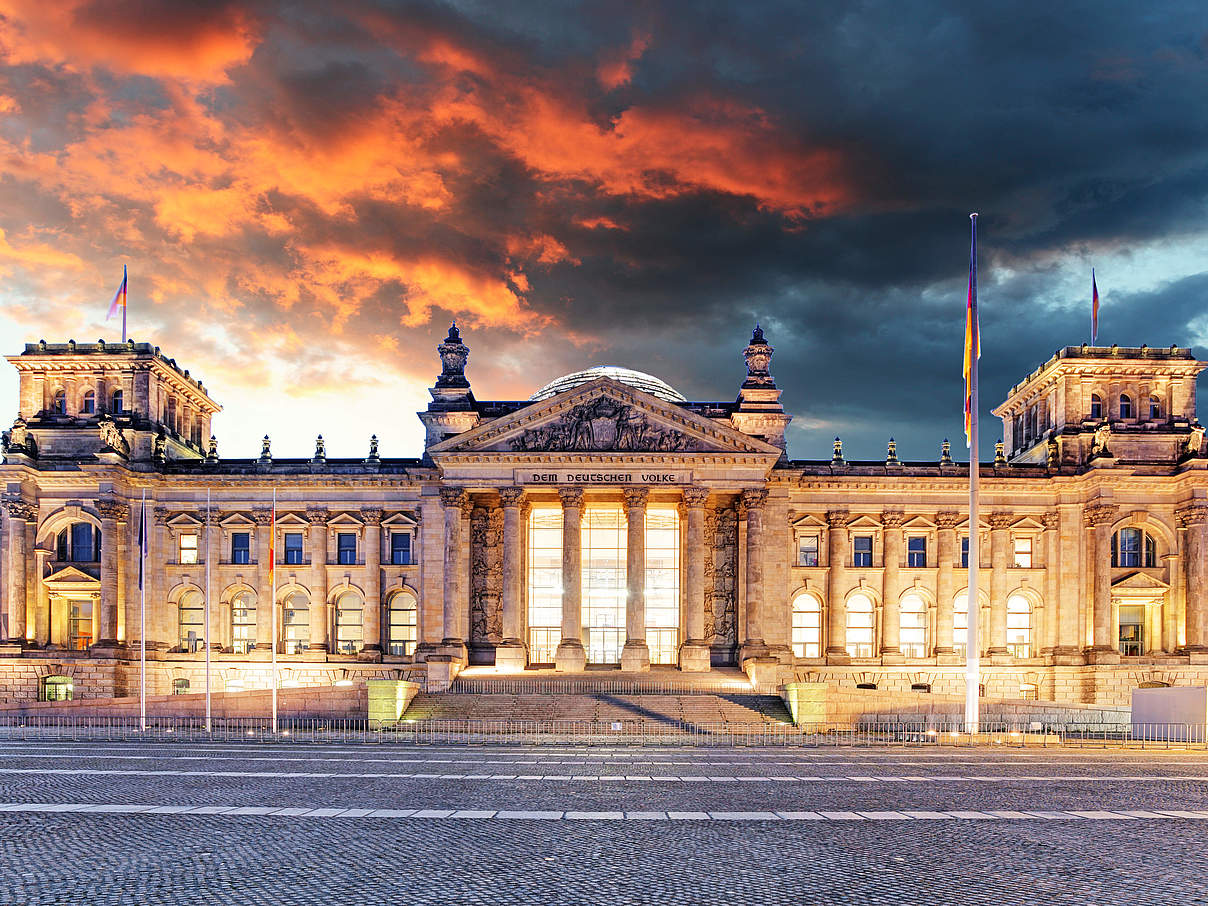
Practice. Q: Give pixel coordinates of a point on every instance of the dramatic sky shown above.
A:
(306, 197)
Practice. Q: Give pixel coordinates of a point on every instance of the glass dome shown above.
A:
(639, 380)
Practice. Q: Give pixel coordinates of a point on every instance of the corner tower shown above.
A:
(758, 410)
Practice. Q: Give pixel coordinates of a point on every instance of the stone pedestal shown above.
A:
(456, 649)
(510, 656)
(1102, 655)
(762, 671)
(635, 656)
(695, 657)
(442, 670)
(571, 657)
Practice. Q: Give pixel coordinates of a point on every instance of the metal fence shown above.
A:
(605, 733)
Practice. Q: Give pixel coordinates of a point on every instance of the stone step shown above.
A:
(654, 709)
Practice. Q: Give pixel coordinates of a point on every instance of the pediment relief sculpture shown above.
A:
(604, 425)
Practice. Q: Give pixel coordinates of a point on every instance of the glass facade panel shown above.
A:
(960, 624)
(544, 583)
(243, 623)
(79, 624)
(192, 621)
(807, 626)
(662, 584)
(1019, 626)
(912, 634)
(403, 622)
(603, 582)
(860, 625)
(295, 622)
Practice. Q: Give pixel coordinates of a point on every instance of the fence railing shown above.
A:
(604, 732)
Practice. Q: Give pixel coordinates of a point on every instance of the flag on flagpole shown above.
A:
(972, 346)
(1094, 308)
(142, 542)
(119, 297)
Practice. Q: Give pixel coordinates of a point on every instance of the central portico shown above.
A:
(605, 479)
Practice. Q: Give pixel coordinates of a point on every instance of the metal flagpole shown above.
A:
(142, 611)
(125, 301)
(272, 554)
(206, 639)
(972, 649)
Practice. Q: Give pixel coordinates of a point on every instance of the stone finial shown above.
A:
(212, 450)
(837, 456)
(758, 356)
(266, 450)
(373, 450)
(946, 453)
(454, 354)
(1000, 456)
(320, 449)
(891, 453)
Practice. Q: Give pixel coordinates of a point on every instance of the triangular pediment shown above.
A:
(602, 417)
(70, 575)
(1139, 582)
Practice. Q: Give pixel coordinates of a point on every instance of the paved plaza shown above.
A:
(186, 823)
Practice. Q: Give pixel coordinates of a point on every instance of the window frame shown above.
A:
(916, 559)
(404, 644)
(393, 551)
(341, 550)
(88, 403)
(187, 555)
(353, 649)
(857, 554)
(292, 555)
(1126, 400)
(1018, 555)
(241, 555)
(1096, 407)
(852, 628)
(805, 639)
(804, 554)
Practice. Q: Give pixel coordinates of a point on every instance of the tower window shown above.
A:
(1126, 406)
(116, 404)
(1023, 553)
(400, 548)
(293, 548)
(88, 404)
(1132, 548)
(807, 550)
(59, 406)
(1096, 406)
(1155, 408)
(346, 548)
(188, 548)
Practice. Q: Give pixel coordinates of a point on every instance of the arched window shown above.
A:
(403, 622)
(960, 624)
(295, 623)
(1133, 548)
(56, 688)
(1096, 406)
(80, 542)
(1155, 408)
(192, 609)
(807, 626)
(912, 636)
(115, 404)
(1019, 626)
(860, 619)
(350, 623)
(243, 622)
(1126, 406)
(88, 404)
(59, 406)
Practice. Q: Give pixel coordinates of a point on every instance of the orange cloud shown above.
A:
(615, 71)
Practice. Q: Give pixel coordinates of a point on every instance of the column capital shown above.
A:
(452, 497)
(574, 496)
(468, 506)
(372, 515)
(1099, 514)
(1051, 520)
(892, 520)
(511, 497)
(262, 516)
(636, 497)
(695, 497)
(316, 515)
(753, 498)
(21, 509)
(112, 508)
(838, 519)
(1193, 514)
(159, 515)
(1001, 520)
(947, 520)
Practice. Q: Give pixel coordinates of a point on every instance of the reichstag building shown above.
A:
(604, 523)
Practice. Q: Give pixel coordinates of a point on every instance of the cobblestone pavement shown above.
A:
(181, 823)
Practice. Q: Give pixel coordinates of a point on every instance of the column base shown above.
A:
(108, 648)
(511, 656)
(1067, 656)
(320, 646)
(442, 670)
(948, 658)
(838, 656)
(570, 657)
(12, 649)
(635, 656)
(423, 651)
(370, 653)
(1102, 655)
(752, 648)
(1197, 654)
(695, 657)
(456, 649)
(892, 657)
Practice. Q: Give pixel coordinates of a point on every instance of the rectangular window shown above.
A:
(544, 583)
(241, 547)
(188, 548)
(604, 581)
(861, 550)
(662, 584)
(1132, 630)
(916, 551)
(293, 548)
(965, 552)
(1023, 553)
(400, 548)
(807, 550)
(79, 625)
(82, 536)
(346, 548)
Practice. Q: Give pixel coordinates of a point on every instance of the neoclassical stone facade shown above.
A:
(605, 522)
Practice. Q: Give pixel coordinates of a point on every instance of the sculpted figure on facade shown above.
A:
(721, 567)
(604, 424)
(111, 435)
(19, 440)
(486, 557)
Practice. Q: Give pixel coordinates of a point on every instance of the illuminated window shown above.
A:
(79, 624)
(807, 626)
(192, 611)
(544, 583)
(350, 623)
(243, 622)
(807, 550)
(188, 548)
(1096, 406)
(1126, 406)
(1019, 626)
(180, 686)
(1132, 548)
(56, 688)
(1132, 630)
(403, 615)
(293, 548)
(662, 584)
(860, 618)
(295, 623)
(912, 635)
(603, 583)
(346, 548)
(88, 404)
(916, 551)
(1029, 692)
(960, 624)
(861, 550)
(1023, 553)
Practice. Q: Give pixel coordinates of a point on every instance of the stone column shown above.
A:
(891, 621)
(1052, 553)
(1000, 537)
(694, 653)
(19, 513)
(1195, 519)
(373, 580)
(1099, 519)
(454, 499)
(754, 645)
(635, 655)
(111, 511)
(264, 590)
(944, 581)
(571, 656)
(510, 653)
(836, 554)
(317, 517)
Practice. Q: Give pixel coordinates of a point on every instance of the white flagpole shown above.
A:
(206, 639)
(972, 649)
(125, 301)
(272, 547)
(142, 611)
